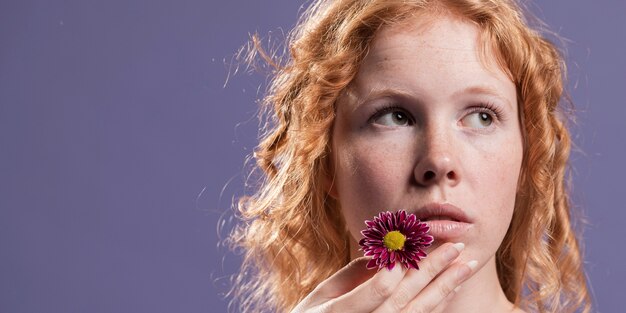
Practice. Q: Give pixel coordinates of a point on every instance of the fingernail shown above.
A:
(472, 264)
(453, 252)
(464, 272)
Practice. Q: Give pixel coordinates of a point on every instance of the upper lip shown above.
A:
(441, 209)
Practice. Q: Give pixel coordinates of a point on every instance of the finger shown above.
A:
(416, 280)
(344, 280)
(441, 307)
(369, 295)
(441, 287)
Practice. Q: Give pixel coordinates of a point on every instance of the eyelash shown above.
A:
(389, 108)
(483, 107)
(486, 107)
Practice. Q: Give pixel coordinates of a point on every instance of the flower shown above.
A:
(395, 237)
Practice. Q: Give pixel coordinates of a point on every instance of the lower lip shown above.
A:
(445, 230)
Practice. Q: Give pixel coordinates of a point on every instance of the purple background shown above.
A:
(120, 147)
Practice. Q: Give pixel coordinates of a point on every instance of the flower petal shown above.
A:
(371, 264)
(413, 249)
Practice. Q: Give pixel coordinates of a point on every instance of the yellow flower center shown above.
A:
(394, 240)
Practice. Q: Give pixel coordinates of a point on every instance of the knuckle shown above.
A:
(444, 289)
(382, 288)
(432, 270)
(399, 299)
(316, 290)
(332, 306)
(328, 307)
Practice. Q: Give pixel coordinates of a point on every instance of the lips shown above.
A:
(441, 211)
(446, 221)
(439, 217)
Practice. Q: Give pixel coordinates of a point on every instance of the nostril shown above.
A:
(450, 175)
(429, 175)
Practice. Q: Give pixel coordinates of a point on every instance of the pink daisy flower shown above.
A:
(395, 237)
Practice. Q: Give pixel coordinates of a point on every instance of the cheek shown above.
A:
(369, 178)
(363, 174)
(501, 172)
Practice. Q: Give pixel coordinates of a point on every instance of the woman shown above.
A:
(445, 109)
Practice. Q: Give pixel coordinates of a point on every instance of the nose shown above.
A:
(438, 161)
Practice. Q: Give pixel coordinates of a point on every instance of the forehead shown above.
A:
(423, 35)
(432, 50)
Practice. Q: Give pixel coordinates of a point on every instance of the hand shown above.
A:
(356, 289)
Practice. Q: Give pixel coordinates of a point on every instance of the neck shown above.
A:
(481, 293)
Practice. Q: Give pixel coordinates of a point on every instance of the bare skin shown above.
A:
(356, 289)
(426, 120)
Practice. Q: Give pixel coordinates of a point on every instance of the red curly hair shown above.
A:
(292, 235)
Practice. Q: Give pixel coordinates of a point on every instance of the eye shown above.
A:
(392, 117)
(479, 119)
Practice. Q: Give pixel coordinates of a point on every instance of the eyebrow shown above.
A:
(382, 93)
(485, 90)
(391, 92)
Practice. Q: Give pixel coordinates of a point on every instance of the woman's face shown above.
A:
(429, 127)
